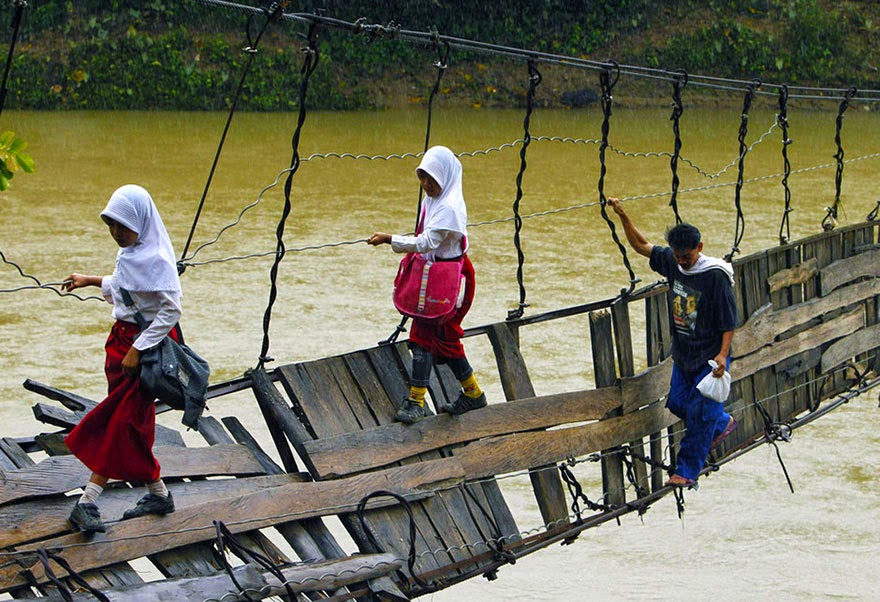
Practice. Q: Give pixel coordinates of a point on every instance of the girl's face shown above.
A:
(429, 184)
(122, 235)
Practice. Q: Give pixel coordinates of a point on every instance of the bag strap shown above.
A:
(129, 302)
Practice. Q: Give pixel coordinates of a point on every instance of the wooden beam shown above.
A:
(139, 537)
(645, 387)
(798, 274)
(840, 272)
(363, 450)
(61, 474)
(851, 346)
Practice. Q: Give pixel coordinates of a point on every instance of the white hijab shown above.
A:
(446, 211)
(149, 264)
(705, 263)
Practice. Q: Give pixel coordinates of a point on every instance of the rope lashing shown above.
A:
(534, 80)
(225, 539)
(45, 555)
(739, 231)
(411, 556)
(578, 495)
(441, 63)
(607, 79)
(678, 85)
(830, 219)
(308, 68)
(782, 120)
(272, 14)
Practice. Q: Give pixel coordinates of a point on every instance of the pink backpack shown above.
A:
(427, 289)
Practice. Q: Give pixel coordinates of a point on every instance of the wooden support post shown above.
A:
(516, 383)
(279, 421)
(601, 339)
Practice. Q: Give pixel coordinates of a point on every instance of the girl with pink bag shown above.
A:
(440, 237)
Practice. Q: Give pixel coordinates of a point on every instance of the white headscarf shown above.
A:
(705, 263)
(149, 264)
(446, 211)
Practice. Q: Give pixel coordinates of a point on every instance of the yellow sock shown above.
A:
(470, 386)
(417, 394)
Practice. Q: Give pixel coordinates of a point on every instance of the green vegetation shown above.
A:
(105, 54)
(13, 158)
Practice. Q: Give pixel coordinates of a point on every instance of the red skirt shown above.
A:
(115, 439)
(443, 337)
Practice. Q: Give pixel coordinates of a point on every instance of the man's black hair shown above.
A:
(683, 237)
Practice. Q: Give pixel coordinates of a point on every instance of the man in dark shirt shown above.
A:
(703, 314)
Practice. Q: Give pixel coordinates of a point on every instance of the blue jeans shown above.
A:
(704, 419)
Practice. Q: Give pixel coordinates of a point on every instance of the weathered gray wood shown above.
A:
(279, 419)
(646, 387)
(242, 436)
(846, 270)
(779, 350)
(14, 456)
(60, 474)
(67, 420)
(71, 401)
(52, 444)
(798, 274)
(516, 384)
(601, 342)
(362, 450)
(138, 537)
(863, 340)
(765, 324)
(512, 453)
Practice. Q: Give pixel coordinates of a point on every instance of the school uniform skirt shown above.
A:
(443, 337)
(115, 439)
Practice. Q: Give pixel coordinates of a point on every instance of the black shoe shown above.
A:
(151, 504)
(465, 404)
(87, 518)
(410, 412)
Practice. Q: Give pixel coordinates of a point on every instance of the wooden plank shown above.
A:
(613, 483)
(846, 270)
(515, 381)
(850, 346)
(646, 387)
(142, 536)
(60, 474)
(767, 323)
(277, 417)
(14, 456)
(793, 276)
(779, 350)
(363, 450)
(659, 348)
(513, 453)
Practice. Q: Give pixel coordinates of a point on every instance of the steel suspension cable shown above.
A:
(677, 110)
(607, 79)
(309, 65)
(534, 80)
(273, 13)
(782, 120)
(830, 219)
(740, 228)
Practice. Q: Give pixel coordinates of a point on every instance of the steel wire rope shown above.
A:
(272, 14)
(441, 64)
(677, 111)
(607, 79)
(427, 38)
(829, 222)
(225, 539)
(310, 63)
(534, 81)
(739, 230)
(782, 120)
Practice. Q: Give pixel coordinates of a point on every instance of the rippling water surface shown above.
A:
(743, 535)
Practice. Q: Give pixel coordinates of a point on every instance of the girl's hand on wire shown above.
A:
(379, 238)
(75, 281)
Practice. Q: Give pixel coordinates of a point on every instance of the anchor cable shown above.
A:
(830, 220)
(677, 111)
(743, 151)
(782, 120)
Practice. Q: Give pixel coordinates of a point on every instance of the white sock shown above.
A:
(158, 488)
(90, 494)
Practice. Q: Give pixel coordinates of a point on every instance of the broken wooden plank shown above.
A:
(61, 474)
(846, 270)
(780, 350)
(645, 387)
(851, 346)
(362, 450)
(797, 274)
(143, 536)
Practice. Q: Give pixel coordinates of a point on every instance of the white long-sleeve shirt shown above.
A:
(433, 244)
(161, 308)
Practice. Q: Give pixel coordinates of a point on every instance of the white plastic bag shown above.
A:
(715, 387)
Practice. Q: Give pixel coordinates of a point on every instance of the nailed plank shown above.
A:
(767, 323)
(512, 453)
(849, 347)
(795, 275)
(362, 450)
(842, 271)
(646, 387)
(142, 536)
(779, 350)
(60, 474)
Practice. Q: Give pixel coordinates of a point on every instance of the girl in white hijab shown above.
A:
(115, 439)
(441, 235)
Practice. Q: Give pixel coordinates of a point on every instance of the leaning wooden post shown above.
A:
(659, 347)
(601, 338)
